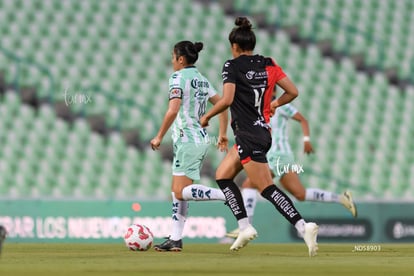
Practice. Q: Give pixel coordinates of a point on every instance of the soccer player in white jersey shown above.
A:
(189, 92)
(282, 165)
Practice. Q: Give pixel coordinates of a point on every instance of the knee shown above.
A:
(220, 174)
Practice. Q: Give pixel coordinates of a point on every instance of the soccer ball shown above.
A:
(138, 237)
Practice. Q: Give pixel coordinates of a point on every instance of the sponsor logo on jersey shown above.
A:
(256, 75)
(195, 83)
(200, 94)
(175, 93)
(250, 75)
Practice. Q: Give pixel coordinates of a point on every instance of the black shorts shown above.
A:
(253, 147)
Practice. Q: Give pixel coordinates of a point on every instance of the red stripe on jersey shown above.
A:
(274, 74)
(246, 160)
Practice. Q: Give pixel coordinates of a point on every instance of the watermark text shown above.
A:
(281, 170)
(367, 248)
(77, 98)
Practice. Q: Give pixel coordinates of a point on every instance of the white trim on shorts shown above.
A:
(179, 173)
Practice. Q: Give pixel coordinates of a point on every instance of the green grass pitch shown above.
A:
(204, 259)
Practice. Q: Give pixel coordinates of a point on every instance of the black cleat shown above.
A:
(3, 233)
(169, 245)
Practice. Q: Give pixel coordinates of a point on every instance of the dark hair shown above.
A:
(243, 34)
(189, 50)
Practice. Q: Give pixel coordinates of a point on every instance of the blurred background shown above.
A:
(83, 88)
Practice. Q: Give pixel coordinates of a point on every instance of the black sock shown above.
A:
(282, 203)
(233, 196)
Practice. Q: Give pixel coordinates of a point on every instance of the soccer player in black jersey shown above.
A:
(248, 83)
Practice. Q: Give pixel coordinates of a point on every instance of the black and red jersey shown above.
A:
(255, 77)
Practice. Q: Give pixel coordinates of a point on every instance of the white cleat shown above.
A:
(310, 236)
(233, 234)
(347, 201)
(243, 238)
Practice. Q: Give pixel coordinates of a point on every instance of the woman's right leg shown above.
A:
(227, 170)
(179, 215)
(230, 166)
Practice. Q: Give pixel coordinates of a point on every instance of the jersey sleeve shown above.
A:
(228, 73)
(287, 110)
(211, 91)
(275, 72)
(175, 91)
(279, 73)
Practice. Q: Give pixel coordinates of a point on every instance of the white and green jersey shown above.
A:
(279, 121)
(194, 90)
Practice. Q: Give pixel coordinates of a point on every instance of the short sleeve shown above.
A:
(278, 71)
(228, 74)
(211, 91)
(275, 72)
(175, 91)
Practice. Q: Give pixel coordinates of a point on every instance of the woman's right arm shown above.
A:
(169, 117)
